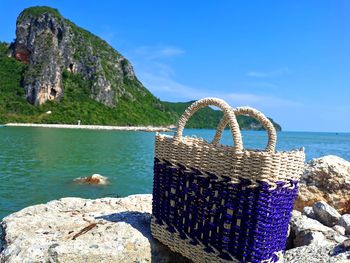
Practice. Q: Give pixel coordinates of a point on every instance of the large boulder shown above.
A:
(325, 179)
(326, 214)
(118, 230)
(305, 231)
(81, 230)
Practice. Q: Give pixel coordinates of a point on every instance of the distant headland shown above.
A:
(55, 65)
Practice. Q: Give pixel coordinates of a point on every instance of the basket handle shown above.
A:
(228, 113)
(271, 131)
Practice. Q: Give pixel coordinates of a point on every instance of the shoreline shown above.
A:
(91, 127)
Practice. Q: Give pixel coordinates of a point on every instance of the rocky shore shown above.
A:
(118, 229)
(92, 127)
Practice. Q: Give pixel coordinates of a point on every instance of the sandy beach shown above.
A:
(92, 127)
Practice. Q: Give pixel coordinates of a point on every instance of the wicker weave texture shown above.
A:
(217, 203)
(225, 161)
(239, 220)
(196, 253)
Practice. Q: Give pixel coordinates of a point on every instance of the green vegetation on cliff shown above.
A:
(77, 104)
(39, 10)
(101, 90)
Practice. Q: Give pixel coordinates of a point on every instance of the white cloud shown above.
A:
(265, 74)
(168, 89)
(255, 100)
(158, 52)
(157, 75)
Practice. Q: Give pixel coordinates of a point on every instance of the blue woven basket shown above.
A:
(216, 203)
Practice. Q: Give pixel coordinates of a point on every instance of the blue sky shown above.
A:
(289, 59)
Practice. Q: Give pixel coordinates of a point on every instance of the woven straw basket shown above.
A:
(216, 203)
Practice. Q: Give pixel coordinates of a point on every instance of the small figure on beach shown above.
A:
(96, 179)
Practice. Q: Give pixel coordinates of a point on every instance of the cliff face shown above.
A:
(77, 76)
(51, 44)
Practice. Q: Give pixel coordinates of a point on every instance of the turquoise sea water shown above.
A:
(39, 164)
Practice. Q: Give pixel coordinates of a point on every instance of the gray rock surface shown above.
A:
(318, 254)
(344, 221)
(305, 231)
(306, 238)
(326, 214)
(81, 230)
(118, 230)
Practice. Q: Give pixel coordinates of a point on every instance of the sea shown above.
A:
(39, 164)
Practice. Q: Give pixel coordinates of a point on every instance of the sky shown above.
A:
(288, 59)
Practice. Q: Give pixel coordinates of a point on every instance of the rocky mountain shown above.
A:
(59, 67)
(51, 44)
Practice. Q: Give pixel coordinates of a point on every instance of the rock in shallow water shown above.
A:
(81, 230)
(96, 179)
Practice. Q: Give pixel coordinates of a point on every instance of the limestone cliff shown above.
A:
(75, 75)
(51, 44)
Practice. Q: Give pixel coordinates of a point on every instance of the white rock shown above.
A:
(318, 254)
(296, 213)
(309, 212)
(120, 232)
(326, 214)
(339, 229)
(344, 221)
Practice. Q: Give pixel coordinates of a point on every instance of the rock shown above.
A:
(83, 230)
(344, 221)
(305, 238)
(325, 179)
(303, 223)
(346, 244)
(303, 228)
(93, 179)
(54, 47)
(326, 214)
(318, 254)
(296, 213)
(309, 212)
(339, 229)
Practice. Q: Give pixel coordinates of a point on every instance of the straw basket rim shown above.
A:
(191, 140)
